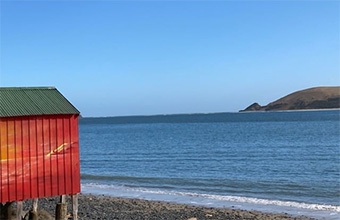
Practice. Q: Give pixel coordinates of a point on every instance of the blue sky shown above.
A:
(114, 58)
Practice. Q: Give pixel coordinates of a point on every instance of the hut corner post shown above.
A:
(20, 207)
(61, 209)
(6, 210)
(35, 205)
(33, 214)
(75, 206)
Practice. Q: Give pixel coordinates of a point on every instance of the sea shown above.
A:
(278, 162)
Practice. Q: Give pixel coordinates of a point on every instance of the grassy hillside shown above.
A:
(312, 98)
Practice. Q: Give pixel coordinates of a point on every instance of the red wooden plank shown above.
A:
(3, 160)
(33, 166)
(5, 186)
(47, 146)
(53, 161)
(75, 162)
(1, 144)
(67, 139)
(59, 155)
(39, 159)
(11, 172)
(26, 159)
(18, 149)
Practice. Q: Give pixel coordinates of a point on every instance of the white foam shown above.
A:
(273, 202)
(247, 203)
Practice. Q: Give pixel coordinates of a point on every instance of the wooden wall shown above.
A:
(39, 157)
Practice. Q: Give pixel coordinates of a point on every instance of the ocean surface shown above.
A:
(267, 161)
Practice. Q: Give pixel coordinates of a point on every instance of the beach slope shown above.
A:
(104, 207)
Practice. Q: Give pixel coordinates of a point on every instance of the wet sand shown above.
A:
(105, 207)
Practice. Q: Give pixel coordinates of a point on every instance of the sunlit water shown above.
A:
(270, 161)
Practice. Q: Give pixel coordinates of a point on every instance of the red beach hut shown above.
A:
(39, 144)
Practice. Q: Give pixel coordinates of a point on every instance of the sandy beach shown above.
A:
(104, 207)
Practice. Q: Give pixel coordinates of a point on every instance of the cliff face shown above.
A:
(313, 98)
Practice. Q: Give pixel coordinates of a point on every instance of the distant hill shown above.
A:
(312, 98)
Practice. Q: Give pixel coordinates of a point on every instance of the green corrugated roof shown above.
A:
(24, 101)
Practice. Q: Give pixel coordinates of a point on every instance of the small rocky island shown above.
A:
(312, 98)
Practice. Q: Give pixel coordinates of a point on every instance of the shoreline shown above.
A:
(205, 113)
(292, 110)
(106, 207)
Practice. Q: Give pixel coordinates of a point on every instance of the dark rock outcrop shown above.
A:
(253, 107)
(313, 98)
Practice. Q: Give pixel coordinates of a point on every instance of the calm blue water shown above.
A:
(269, 161)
